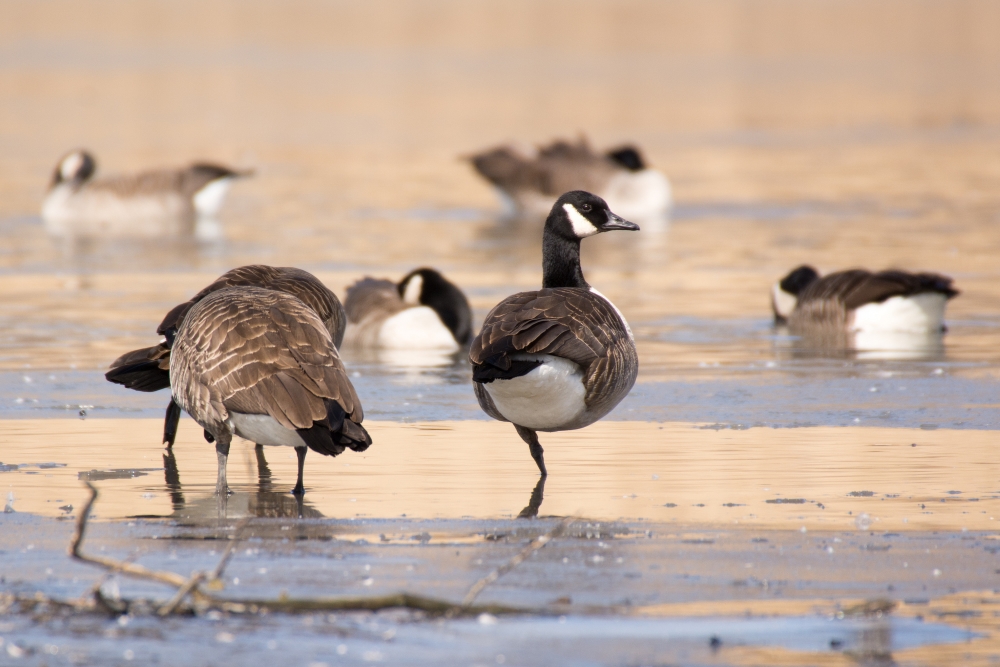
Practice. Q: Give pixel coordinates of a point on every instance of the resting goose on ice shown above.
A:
(862, 301)
(163, 202)
(148, 369)
(562, 357)
(530, 184)
(424, 310)
(262, 365)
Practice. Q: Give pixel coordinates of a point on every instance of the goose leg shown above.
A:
(530, 437)
(170, 421)
(222, 451)
(299, 488)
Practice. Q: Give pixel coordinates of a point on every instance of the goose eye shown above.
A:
(586, 208)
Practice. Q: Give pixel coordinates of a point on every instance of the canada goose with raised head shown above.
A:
(530, 184)
(260, 364)
(862, 301)
(163, 202)
(424, 310)
(562, 357)
(148, 369)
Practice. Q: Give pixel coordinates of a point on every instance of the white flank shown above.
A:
(639, 195)
(264, 430)
(208, 200)
(418, 327)
(548, 397)
(782, 301)
(620, 316)
(414, 287)
(581, 226)
(923, 312)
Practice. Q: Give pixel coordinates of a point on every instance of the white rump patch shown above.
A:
(418, 327)
(70, 165)
(620, 316)
(414, 287)
(264, 430)
(208, 200)
(548, 397)
(782, 301)
(922, 312)
(581, 226)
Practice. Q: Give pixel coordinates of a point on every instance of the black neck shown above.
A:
(561, 261)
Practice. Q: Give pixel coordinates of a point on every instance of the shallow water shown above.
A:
(838, 134)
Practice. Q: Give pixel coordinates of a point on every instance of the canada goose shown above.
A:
(562, 357)
(260, 364)
(529, 184)
(146, 204)
(862, 301)
(422, 311)
(148, 369)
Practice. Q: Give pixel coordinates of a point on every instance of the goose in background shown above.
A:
(562, 357)
(262, 365)
(529, 184)
(423, 311)
(163, 202)
(888, 310)
(148, 369)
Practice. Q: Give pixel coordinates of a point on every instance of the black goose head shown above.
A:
(628, 157)
(579, 214)
(75, 168)
(785, 295)
(427, 287)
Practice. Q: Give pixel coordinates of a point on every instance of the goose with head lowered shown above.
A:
(148, 369)
(529, 184)
(260, 364)
(561, 357)
(860, 300)
(424, 310)
(155, 203)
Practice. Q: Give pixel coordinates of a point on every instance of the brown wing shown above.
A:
(857, 287)
(559, 167)
(300, 284)
(258, 351)
(567, 322)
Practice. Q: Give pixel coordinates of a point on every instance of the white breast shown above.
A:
(418, 327)
(208, 200)
(923, 312)
(264, 430)
(548, 397)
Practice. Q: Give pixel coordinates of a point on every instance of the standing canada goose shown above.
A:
(562, 357)
(422, 311)
(260, 364)
(148, 369)
(529, 184)
(862, 301)
(163, 202)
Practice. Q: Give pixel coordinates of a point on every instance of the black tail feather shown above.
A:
(502, 367)
(336, 434)
(141, 376)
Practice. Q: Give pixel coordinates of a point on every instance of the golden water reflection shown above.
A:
(816, 478)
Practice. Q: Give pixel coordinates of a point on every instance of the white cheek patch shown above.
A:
(413, 289)
(783, 302)
(581, 226)
(70, 166)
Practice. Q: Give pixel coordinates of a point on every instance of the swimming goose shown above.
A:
(862, 301)
(422, 311)
(260, 364)
(146, 204)
(148, 369)
(562, 357)
(529, 184)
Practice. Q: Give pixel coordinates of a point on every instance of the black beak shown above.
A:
(616, 222)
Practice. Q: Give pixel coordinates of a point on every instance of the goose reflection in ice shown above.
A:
(535, 501)
(265, 502)
(806, 343)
